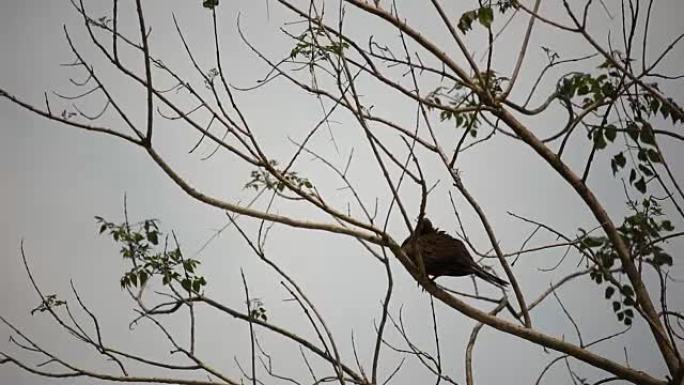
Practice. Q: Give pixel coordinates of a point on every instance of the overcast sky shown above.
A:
(55, 179)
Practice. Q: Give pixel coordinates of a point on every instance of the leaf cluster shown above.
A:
(314, 44)
(642, 232)
(210, 4)
(209, 77)
(590, 89)
(262, 178)
(460, 99)
(257, 309)
(593, 91)
(50, 301)
(140, 244)
(484, 15)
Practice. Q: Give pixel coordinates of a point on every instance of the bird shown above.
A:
(443, 255)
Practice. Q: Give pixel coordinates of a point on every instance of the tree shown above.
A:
(414, 98)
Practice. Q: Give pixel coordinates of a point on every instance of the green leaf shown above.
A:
(210, 4)
(633, 131)
(611, 132)
(627, 290)
(583, 90)
(186, 284)
(607, 259)
(190, 267)
(591, 242)
(609, 292)
(654, 155)
(662, 258)
(641, 155)
(485, 16)
(608, 89)
(599, 140)
(619, 161)
(667, 225)
(665, 110)
(465, 23)
(616, 306)
(641, 185)
(647, 135)
(142, 276)
(654, 105)
(153, 237)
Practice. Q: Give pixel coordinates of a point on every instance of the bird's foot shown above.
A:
(431, 279)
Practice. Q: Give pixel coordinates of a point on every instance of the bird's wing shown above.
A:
(442, 244)
(446, 254)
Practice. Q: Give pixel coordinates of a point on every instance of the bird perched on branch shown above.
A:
(443, 254)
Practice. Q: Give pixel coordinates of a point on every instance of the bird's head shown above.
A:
(424, 226)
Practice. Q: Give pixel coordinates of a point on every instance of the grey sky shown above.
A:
(55, 179)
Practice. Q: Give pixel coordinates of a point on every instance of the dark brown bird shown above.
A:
(443, 254)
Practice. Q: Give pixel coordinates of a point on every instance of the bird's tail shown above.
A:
(489, 277)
